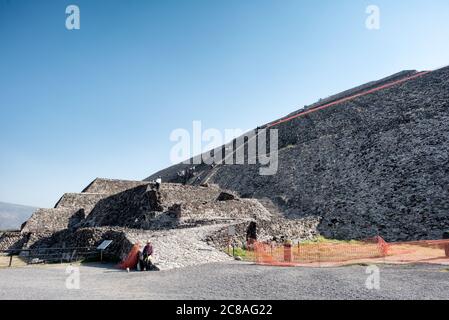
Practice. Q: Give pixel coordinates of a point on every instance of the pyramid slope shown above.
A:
(374, 164)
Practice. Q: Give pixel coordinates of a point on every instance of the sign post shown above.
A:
(231, 233)
(103, 247)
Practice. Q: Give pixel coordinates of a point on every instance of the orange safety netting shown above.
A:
(341, 253)
(132, 258)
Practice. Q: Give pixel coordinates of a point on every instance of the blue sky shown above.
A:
(101, 101)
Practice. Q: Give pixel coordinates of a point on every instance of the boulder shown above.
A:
(175, 211)
(226, 196)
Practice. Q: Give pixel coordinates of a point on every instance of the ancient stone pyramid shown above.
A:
(373, 160)
(187, 224)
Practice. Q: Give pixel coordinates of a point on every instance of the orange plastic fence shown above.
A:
(338, 253)
(132, 258)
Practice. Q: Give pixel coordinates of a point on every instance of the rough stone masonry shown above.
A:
(188, 225)
(377, 164)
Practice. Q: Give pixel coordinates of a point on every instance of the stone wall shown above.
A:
(135, 208)
(93, 237)
(53, 220)
(11, 240)
(122, 209)
(172, 193)
(275, 229)
(111, 186)
(86, 201)
(232, 209)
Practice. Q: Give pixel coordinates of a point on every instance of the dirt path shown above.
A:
(229, 280)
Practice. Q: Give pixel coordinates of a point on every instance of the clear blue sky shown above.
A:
(101, 101)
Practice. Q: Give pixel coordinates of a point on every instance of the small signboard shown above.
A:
(104, 245)
(231, 231)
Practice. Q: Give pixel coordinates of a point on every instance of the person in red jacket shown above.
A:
(148, 256)
(148, 249)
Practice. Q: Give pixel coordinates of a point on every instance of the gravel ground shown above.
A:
(178, 248)
(229, 280)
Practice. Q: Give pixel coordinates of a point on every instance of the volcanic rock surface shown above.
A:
(373, 164)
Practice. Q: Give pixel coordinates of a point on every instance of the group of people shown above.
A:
(145, 259)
